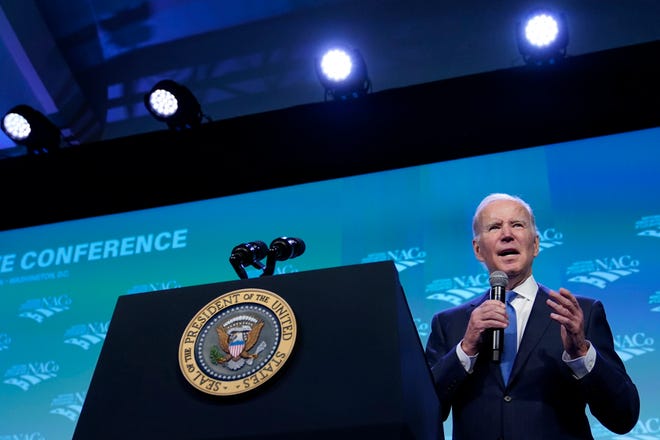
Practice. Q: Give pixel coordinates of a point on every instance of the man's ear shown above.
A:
(477, 249)
(537, 245)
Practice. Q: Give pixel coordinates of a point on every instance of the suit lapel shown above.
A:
(537, 324)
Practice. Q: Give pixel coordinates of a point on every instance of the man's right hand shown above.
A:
(490, 314)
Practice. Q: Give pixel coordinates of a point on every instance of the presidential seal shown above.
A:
(237, 342)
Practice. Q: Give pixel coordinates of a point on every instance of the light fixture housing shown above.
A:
(173, 103)
(32, 129)
(343, 74)
(542, 37)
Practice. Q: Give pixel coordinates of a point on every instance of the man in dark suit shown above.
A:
(565, 358)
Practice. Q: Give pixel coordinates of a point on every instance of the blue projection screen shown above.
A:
(597, 203)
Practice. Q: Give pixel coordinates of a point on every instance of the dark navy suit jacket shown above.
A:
(543, 399)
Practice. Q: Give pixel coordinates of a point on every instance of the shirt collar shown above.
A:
(528, 289)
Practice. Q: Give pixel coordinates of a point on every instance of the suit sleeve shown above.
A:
(446, 368)
(610, 392)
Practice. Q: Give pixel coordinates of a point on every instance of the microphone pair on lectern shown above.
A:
(251, 254)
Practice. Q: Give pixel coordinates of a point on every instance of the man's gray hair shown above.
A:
(499, 196)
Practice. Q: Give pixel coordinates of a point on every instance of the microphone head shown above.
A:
(498, 279)
(284, 248)
(249, 253)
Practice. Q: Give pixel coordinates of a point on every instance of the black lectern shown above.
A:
(356, 371)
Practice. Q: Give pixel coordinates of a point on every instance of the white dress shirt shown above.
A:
(523, 304)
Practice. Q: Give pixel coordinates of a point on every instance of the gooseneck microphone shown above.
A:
(248, 254)
(284, 248)
(498, 281)
(281, 249)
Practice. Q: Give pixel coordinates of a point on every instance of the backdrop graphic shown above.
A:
(597, 203)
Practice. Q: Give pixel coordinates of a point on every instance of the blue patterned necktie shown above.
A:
(510, 338)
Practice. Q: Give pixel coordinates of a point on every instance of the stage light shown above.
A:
(174, 104)
(32, 129)
(343, 74)
(542, 37)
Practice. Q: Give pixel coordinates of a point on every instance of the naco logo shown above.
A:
(645, 429)
(459, 289)
(630, 346)
(154, 287)
(5, 341)
(654, 301)
(403, 258)
(24, 436)
(550, 238)
(26, 376)
(648, 226)
(600, 272)
(68, 405)
(285, 268)
(423, 328)
(86, 335)
(38, 309)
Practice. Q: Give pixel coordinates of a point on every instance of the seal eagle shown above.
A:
(237, 343)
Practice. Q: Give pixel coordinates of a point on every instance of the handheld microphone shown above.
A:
(281, 249)
(498, 281)
(248, 254)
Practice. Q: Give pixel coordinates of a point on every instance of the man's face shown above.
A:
(507, 241)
